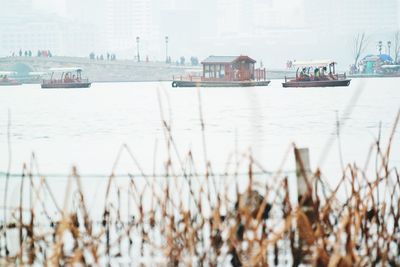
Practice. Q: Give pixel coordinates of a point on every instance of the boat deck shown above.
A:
(219, 83)
(324, 83)
(9, 83)
(60, 83)
(66, 85)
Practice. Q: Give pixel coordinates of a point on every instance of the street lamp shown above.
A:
(137, 46)
(380, 47)
(389, 43)
(166, 49)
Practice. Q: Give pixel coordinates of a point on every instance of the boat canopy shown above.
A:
(313, 63)
(7, 73)
(37, 73)
(385, 58)
(390, 66)
(65, 69)
(371, 58)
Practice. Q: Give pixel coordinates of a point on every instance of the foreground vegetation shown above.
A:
(192, 219)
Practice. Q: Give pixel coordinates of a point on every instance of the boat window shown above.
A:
(222, 72)
(207, 71)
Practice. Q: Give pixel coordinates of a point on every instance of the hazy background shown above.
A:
(269, 30)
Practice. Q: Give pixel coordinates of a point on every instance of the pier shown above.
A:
(111, 71)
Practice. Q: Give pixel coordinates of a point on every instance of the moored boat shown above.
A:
(69, 78)
(316, 74)
(376, 66)
(225, 71)
(5, 79)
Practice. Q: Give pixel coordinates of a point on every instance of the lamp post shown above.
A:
(389, 43)
(137, 46)
(380, 47)
(166, 49)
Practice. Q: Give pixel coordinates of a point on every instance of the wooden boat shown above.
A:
(318, 76)
(225, 71)
(5, 79)
(70, 78)
(376, 66)
(389, 70)
(384, 71)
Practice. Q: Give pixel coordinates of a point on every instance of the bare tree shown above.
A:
(360, 44)
(396, 46)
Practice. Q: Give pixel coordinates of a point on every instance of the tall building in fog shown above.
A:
(119, 23)
(16, 7)
(128, 19)
(348, 17)
(256, 17)
(29, 33)
(87, 11)
(23, 27)
(336, 23)
(229, 17)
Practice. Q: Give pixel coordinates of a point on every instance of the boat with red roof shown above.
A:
(225, 71)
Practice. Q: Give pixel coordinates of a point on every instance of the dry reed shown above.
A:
(192, 219)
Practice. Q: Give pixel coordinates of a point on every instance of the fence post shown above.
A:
(303, 171)
(307, 217)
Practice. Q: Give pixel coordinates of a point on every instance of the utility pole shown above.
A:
(166, 49)
(380, 47)
(137, 46)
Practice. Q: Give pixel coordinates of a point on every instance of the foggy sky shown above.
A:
(51, 6)
(268, 30)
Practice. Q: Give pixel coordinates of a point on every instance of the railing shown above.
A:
(320, 78)
(188, 78)
(342, 76)
(258, 75)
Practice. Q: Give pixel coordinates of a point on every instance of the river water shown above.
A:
(86, 127)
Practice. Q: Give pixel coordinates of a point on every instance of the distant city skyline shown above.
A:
(268, 30)
(51, 6)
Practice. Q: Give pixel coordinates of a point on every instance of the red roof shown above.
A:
(226, 59)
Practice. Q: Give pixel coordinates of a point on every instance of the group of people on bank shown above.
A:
(28, 53)
(109, 56)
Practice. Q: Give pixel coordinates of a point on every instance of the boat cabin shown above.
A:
(5, 78)
(5, 75)
(66, 75)
(66, 78)
(231, 68)
(390, 70)
(316, 70)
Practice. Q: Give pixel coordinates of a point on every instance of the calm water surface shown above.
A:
(86, 127)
